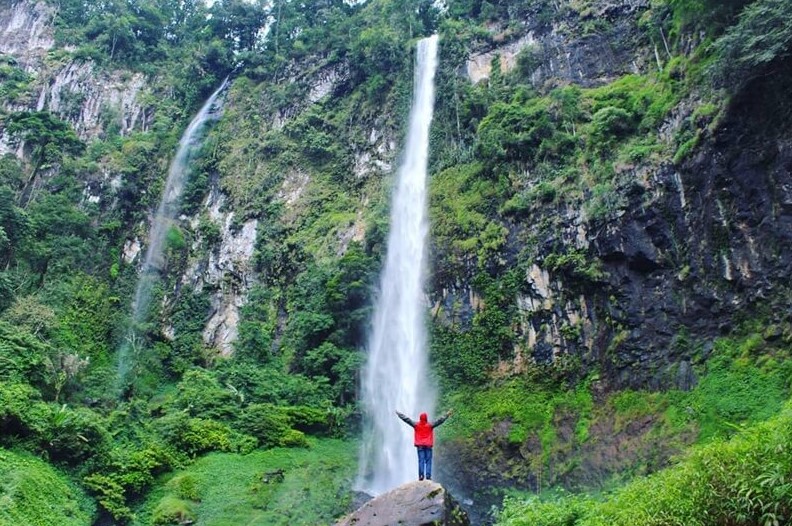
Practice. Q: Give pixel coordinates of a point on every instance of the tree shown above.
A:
(47, 136)
(14, 227)
(761, 37)
(240, 21)
(60, 236)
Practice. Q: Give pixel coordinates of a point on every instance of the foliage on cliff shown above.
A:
(744, 480)
(515, 162)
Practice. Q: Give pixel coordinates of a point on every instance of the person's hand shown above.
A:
(449, 412)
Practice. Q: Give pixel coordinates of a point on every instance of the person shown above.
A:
(424, 440)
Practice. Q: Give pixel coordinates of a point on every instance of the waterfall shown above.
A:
(396, 375)
(189, 144)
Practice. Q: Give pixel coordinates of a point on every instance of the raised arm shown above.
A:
(407, 420)
(441, 419)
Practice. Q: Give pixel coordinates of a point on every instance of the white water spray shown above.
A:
(396, 376)
(189, 144)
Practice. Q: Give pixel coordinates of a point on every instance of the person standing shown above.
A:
(424, 440)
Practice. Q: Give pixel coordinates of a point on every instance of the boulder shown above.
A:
(413, 504)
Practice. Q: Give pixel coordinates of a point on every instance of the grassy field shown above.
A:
(282, 486)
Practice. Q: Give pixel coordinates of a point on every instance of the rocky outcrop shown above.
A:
(226, 271)
(93, 100)
(479, 65)
(588, 43)
(90, 98)
(421, 503)
(26, 31)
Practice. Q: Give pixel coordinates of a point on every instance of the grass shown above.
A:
(265, 488)
(33, 493)
(529, 408)
(744, 480)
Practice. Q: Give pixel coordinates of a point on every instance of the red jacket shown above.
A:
(424, 430)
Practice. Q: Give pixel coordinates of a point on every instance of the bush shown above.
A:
(172, 510)
(762, 35)
(610, 124)
(126, 473)
(271, 426)
(68, 435)
(22, 356)
(308, 419)
(110, 495)
(184, 486)
(200, 394)
(575, 265)
(195, 436)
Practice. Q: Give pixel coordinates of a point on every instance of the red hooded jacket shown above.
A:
(424, 430)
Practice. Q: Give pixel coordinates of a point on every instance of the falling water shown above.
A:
(179, 169)
(396, 375)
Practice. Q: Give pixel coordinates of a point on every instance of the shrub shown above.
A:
(270, 425)
(308, 419)
(762, 35)
(69, 435)
(22, 356)
(200, 394)
(110, 495)
(574, 264)
(185, 486)
(173, 510)
(610, 124)
(195, 436)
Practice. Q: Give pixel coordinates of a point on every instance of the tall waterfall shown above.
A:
(189, 144)
(396, 376)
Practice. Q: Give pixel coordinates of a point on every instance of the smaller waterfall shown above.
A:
(179, 170)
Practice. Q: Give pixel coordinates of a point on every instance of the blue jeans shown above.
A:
(424, 462)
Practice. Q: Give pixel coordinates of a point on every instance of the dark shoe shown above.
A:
(428, 478)
(420, 477)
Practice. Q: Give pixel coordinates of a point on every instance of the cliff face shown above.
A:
(690, 247)
(694, 245)
(98, 101)
(27, 32)
(705, 247)
(89, 98)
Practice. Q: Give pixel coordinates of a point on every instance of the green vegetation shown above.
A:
(32, 492)
(761, 38)
(275, 487)
(14, 81)
(558, 427)
(519, 168)
(745, 479)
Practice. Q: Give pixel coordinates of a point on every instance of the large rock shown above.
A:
(413, 504)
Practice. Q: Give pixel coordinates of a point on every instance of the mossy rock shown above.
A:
(173, 510)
